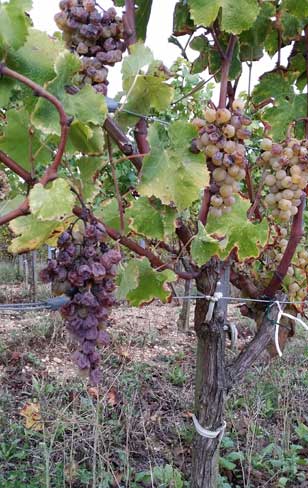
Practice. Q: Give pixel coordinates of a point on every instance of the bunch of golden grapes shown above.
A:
(221, 138)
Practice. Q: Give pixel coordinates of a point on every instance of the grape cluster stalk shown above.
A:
(4, 186)
(84, 269)
(287, 167)
(96, 35)
(221, 137)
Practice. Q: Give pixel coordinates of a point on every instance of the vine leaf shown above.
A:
(172, 172)
(236, 16)
(151, 222)
(88, 169)
(139, 57)
(9, 205)
(35, 60)
(275, 84)
(87, 139)
(139, 283)
(87, 106)
(148, 92)
(229, 232)
(53, 202)
(109, 213)
(16, 142)
(252, 40)
(281, 116)
(299, 8)
(32, 233)
(14, 24)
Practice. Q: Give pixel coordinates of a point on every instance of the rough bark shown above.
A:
(183, 320)
(210, 373)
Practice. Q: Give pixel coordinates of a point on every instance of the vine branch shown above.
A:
(65, 121)
(16, 168)
(295, 236)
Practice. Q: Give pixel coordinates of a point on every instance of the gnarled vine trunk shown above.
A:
(211, 382)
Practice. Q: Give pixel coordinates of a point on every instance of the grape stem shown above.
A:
(129, 23)
(141, 136)
(123, 143)
(295, 236)
(205, 205)
(225, 69)
(306, 58)
(254, 211)
(116, 186)
(19, 170)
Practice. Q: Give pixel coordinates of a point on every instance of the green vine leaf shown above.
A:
(14, 24)
(36, 60)
(88, 169)
(252, 41)
(276, 84)
(298, 8)
(139, 283)
(16, 129)
(281, 116)
(53, 202)
(109, 213)
(87, 106)
(140, 56)
(171, 172)
(234, 232)
(147, 92)
(151, 222)
(237, 16)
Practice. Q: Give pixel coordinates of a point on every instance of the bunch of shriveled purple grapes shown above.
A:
(221, 138)
(4, 185)
(96, 35)
(84, 269)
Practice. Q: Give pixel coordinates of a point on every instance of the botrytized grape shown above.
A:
(221, 137)
(287, 167)
(84, 269)
(4, 186)
(95, 35)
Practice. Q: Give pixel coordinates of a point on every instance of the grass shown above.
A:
(136, 430)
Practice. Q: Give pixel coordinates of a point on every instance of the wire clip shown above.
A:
(209, 434)
(277, 325)
(213, 300)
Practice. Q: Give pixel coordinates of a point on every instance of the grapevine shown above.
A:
(95, 35)
(221, 138)
(84, 269)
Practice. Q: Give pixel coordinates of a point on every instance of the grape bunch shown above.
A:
(221, 138)
(4, 186)
(95, 35)
(261, 272)
(287, 167)
(84, 269)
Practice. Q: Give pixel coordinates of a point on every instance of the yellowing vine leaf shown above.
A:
(32, 233)
(32, 413)
(52, 203)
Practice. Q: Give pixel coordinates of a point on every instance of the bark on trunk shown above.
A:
(211, 381)
(183, 320)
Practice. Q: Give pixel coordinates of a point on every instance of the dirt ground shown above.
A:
(127, 432)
